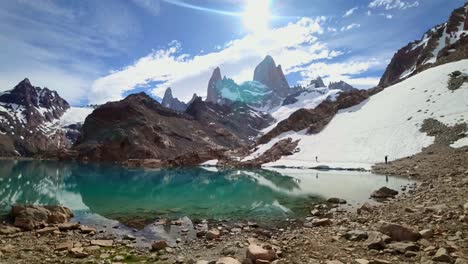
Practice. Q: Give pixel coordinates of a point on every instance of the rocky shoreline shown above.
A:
(428, 224)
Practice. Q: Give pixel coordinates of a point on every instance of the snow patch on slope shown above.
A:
(460, 143)
(75, 115)
(387, 123)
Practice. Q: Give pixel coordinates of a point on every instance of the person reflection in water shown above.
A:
(316, 158)
(316, 175)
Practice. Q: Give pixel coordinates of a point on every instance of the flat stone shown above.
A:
(227, 260)
(398, 232)
(47, 230)
(102, 243)
(8, 230)
(92, 248)
(361, 261)
(321, 222)
(333, 262)
(68, 226)
(380, 261)
(402, 247)
(87, 229)
(67, 245)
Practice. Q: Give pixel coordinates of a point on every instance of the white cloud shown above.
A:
(292, 45)
(350, 12)
(350, 26)
(393, 4)
(388, 16)
(348, 71)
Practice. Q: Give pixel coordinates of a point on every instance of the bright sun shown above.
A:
(256, 16)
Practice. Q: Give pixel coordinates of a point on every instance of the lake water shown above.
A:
(105, 193)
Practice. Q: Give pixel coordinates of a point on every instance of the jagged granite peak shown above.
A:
(213, 94)
(171, 102)
(316, 83)
(272, 76)
(341, 85)
(443, 43)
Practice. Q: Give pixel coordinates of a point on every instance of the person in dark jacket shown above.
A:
(386, 159)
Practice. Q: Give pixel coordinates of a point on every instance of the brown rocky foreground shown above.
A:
(427, 224)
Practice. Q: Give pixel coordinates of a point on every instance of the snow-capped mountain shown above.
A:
(267, 90)
(443, 43)
(35, 120)
(388, 123)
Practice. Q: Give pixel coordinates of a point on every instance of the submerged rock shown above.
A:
(384, 193)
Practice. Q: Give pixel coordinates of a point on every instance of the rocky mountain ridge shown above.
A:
(27, 121)
(443, 43)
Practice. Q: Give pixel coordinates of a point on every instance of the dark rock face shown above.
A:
(341, 85)
(213, 94)
(237, 118)
(442, 44)
(314, 120)
(27, 114)
(272, 76)
(140, 128)
(173, 103)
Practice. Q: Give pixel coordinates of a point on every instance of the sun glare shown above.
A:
(256, 16)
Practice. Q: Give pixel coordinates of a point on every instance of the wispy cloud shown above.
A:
(350, 26)
(151, 6)
(350, 12)
(393, 4)
(292, 45)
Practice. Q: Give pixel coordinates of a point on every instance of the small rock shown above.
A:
(384, 193)
(102, 243)
(356, 235)
(426, 233)
(67, 245)
(375, 240)
(335, 200)
(402, 247)
(213, 234)
(47, 230)
(367, 207)
(87, 229)
(159, 245)
(8, 230)
(442, 255)
(322, 222)
(68, 226)
(255, 252)
(362, 261)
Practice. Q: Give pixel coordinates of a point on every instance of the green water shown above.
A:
(102, 192)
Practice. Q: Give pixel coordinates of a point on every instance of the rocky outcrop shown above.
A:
(314, 120)
(285, 147)
(213, 94)
(138, 128)
(27, 116)
(316, 83)
(444, 43)
(272, 76)
(30, 217)
(173, 103)
(237, 118)
(341, 85)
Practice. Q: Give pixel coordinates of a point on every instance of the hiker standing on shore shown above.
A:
(316, 158)
(386, 159)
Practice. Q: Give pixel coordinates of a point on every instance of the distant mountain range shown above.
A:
(233, 119)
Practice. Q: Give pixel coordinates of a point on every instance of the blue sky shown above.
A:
(95, 51)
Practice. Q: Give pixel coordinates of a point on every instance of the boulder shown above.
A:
(227, 260)
(384, 193)
(159, 245)
(29, 217)
(256, 252)
(398, 232)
